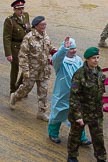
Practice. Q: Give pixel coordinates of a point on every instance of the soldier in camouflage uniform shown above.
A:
(15, 28)
(86, 106)
(33, 60)
(104, 36)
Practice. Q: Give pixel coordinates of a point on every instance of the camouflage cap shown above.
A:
(18, 4)
(92, 51)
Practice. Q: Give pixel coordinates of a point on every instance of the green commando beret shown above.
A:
(92, 51)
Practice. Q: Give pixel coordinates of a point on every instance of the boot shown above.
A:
(98, 160)
(102, 43)
(42, 116)
(12, 101)
(55, 139)
(86, 143)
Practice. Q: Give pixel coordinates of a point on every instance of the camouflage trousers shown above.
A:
(96, 132)
(104, 34)
(42, 91)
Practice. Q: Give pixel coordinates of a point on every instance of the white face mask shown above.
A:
(71, 64)
(69, 60)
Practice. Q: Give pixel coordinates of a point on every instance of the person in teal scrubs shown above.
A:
(65, 62)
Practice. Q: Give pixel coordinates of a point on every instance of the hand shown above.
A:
(54, 50)
(67, 43)
(80, 121)
(26, 74)
(10, 58)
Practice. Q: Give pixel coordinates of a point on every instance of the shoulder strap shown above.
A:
(10, 19)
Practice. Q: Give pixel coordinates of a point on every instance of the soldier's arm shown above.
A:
(74, 102)
(23, 55)
(7, 36)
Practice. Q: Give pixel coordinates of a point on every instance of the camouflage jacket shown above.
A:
(14, 31)
(34, 54)
(86, 94)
